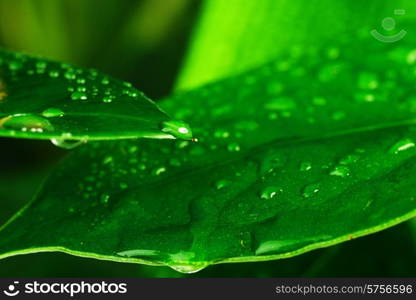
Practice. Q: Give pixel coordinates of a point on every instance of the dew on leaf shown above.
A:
(52, 112)
(15, 65)
(221, 133)
(67, 142)
(310, 190)
(411, 57)
(270, 192)
(138, 252)
(305, 166)
(349, 159)
(54, 74)
(70, 75)
(177, 129)
(341, 171)
(104, 198)
(79, 96)
(159, 171)
(26, 122)
(220, 184)
(402, 145)
(188, 269)
(107, 99)
(108, 159)
(233, 147)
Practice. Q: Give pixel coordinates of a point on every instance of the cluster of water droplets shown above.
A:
(72, 85)
(235, 137)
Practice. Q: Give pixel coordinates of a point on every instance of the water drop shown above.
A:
(107, 99)
(349, 159)
(133, 149)
(221, 133)
(177, 129)
(108, 159)
(67, 142)
(411, 57)
(220, 184)
(310, 190)
(138, 252)
(70, 75)
(188, 269)
(41, 65)
(159, 171)
(54, 74)
(104, 198)
(52, 112)
(341, 171)
(26, 122)
(233, 147)
(78, 96)
(305, 166)
(269, 192)
(402, 145)
(15, 65)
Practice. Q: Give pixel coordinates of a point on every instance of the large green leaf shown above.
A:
(49, 100)
(306, 152)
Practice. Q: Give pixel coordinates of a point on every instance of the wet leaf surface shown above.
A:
(41, 99)
(306, 152)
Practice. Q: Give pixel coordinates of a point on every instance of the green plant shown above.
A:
(286, 160)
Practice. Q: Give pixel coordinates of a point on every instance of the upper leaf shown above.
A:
(306, 152)
(48, 100)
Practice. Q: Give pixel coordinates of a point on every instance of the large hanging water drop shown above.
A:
(67, 142)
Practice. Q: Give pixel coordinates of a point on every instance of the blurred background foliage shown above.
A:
(147, 42)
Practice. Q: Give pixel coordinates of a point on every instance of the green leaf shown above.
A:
(48, 100)
(251, 33)
(309, 151)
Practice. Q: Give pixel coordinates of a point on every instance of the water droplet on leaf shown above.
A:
(402, 145)
(52, 112)
(305, 166)
(310, 190)
(341, 171)
(177, 129)
(270, 192)
(26, 122)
